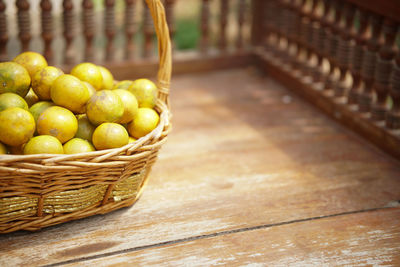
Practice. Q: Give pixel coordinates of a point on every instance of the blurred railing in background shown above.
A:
(342, 55)
(113, 31)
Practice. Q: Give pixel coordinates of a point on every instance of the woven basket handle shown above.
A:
(164, 49)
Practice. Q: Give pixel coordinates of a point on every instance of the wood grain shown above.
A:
(244, 152)
(362, 239)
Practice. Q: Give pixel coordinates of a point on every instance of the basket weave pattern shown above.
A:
(42, 190)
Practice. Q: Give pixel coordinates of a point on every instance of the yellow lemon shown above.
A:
(104, 106)
(69, 92)
(43, 144)
(17, 126)
(90, 88)
(91, 91)
(85, 128)
(43, 80)
(31, 98)
(38, 108)
(130, 105)
(9, 100)
(90, 73)
(3, 149)
(58, 122)
(14, 78)
(110, 135)
(131, 139)
(77, 145)
(145, 121)
(145, 92)
(123, 84)
(108, 79)
(32, 61)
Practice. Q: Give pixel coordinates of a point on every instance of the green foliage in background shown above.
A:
(187, 33)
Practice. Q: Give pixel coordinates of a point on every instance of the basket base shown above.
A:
(59, 210)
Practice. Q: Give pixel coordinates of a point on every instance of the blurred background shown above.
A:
(187, 23)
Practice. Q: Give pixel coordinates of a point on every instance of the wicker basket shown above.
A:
(42, 190)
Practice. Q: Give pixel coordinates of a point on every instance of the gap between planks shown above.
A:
(240, 230)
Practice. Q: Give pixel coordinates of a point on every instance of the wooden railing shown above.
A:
(118, 32)
(342, 55)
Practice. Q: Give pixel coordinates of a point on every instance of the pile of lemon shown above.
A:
(45, 111)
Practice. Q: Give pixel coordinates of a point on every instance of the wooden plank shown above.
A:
(244, 152)
(387, 140)
(363, 239)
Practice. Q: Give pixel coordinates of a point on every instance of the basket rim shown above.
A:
(142, 141)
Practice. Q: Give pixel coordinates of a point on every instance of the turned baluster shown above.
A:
(281, 30)
(295, 35)
(292, 32)
(369, 62)
(69, 31)
(130, 29)
(205, 14)
(24, 24)
(278, 13)
(258, 26)
(344, 48)
(169, 13)
(308, 22)
(47, 29)
(268, 28)
(332, 44)
(326, 33)
(304, 32)
(357, 56)
(109, 21)
(222, 24)
(285, 20)
(319, 40)
(3, 32)
(272, 38)
(88, 28)
(241, 20)
(148, 32)
(274, 34)
(300, 36)
(393, 117)
(384, 66)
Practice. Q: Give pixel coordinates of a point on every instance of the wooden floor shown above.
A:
(251, 174)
